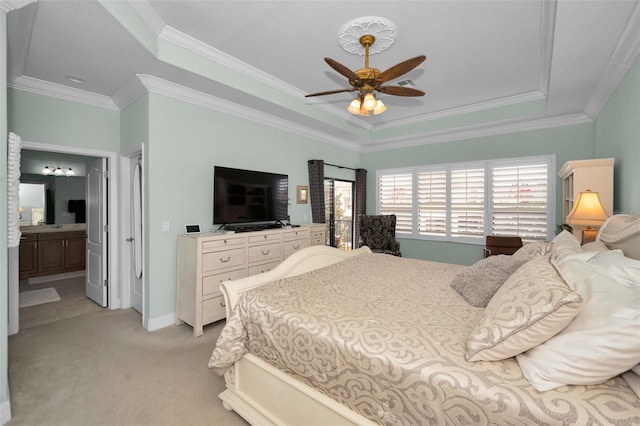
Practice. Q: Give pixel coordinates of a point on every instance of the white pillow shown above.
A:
(576, 267)
(600, 343)
(595, 246)
(563, 245)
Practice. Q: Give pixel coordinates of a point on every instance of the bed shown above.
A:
(332, 337)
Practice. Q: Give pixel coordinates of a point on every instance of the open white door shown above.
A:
(136, 237)
(97, 258)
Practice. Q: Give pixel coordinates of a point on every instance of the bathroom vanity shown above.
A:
(52, 249)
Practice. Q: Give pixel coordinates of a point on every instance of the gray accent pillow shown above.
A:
(478, 283)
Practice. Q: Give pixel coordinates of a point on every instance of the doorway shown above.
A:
(338, 199)
(132, 259)
(109, 204)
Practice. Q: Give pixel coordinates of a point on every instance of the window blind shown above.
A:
(395, 196)
(467, 203)
(432, 203)
(519, 200)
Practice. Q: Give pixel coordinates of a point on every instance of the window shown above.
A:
(466, 201)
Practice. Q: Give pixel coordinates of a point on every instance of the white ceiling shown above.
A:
(492, 66)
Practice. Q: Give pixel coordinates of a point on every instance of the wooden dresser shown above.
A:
(205, 260)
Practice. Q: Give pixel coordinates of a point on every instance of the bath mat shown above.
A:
(37, 297)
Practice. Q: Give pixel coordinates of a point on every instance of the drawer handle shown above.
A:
(264, 253)
(265, 237)
(226, 242)
(225, 260)
(223, 305)
(296, 247)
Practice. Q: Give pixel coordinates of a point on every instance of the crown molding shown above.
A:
(141, 84)
(622, 59)
(47, 88)
(172, 35)
(467, 109)
(176, 91)
(478, 131)
(9, 5)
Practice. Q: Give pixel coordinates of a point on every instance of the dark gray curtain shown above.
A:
(316, 190)
(361, 203)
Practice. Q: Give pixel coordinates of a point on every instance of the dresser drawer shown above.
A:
(211, 283)
(222, 259)
(296, 234)
(259, 269)
(290, 247)
(213, 310)
(317, 238)
(221, 244)
(265, 238)
(264, 253)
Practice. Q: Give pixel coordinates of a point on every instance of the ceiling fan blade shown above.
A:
(330, 92)
(401, 68)
(400, 91)
(342, 69)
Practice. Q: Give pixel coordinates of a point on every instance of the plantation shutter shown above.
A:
(467, 203)
(519, 198)
(432, 203)
(396, 197)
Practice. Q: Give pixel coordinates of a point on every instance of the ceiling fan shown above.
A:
(368, 80)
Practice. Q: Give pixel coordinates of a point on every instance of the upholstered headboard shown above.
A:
(622, 232)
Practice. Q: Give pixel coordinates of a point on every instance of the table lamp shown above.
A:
(587, 211)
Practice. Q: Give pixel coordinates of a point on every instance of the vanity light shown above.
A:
(58, 172)
(70, 172)
(46, 171)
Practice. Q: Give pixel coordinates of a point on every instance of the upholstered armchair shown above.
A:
(378, 232)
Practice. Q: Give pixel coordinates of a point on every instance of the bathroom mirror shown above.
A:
(32, 206)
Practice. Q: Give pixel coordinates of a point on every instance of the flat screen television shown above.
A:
(249, 196)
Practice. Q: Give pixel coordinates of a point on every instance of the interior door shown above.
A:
(97, 257)
(136, 236)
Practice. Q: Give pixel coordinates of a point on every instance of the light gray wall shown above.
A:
(5, 408)
(185, 143)
(566, 143)
(618, 136)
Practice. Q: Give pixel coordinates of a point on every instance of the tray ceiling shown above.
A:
(492, 66)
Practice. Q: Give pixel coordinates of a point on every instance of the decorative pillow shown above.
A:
(600, 343)
(478, 283)
(564, 245)
(533, 305)
(622, 232)
(531, 250)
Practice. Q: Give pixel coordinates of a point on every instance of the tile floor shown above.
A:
(73, 302)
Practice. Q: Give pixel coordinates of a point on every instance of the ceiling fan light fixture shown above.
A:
(354, 106)
(380, 108)
(369, 102)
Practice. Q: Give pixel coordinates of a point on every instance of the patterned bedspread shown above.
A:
(385, 336)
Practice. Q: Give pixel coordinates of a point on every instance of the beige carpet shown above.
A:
(103, 368)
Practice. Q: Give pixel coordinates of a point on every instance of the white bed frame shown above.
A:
(264, 395)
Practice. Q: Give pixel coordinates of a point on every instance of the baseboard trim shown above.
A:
(5, 412)
(160, 322)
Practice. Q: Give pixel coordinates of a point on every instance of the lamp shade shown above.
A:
(587, 210)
